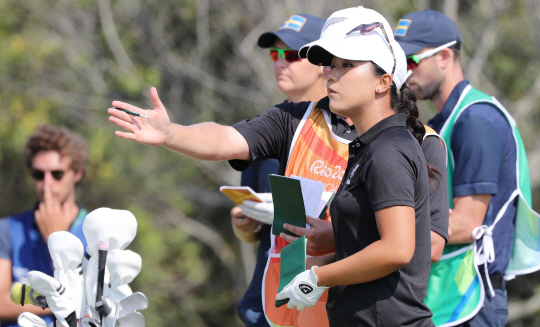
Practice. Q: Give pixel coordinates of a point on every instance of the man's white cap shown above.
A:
(372, 46)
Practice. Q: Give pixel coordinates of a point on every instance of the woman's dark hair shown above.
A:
(405, 102)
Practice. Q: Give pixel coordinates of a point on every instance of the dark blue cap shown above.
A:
(428, 28)
(297, 31)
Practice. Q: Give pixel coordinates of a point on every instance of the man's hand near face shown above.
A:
(53, 216)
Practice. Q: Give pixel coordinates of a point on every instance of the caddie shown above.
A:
(56, 159)
(488, 177)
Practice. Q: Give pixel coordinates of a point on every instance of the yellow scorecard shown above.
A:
(240, 193)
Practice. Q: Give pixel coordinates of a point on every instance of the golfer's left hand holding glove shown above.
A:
(302, 291)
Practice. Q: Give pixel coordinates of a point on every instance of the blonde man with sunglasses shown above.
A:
(299, 81)
(56, 160)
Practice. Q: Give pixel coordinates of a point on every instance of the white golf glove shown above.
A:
(261, 211)
(302, 291)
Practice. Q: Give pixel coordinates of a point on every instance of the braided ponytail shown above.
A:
(405, 102)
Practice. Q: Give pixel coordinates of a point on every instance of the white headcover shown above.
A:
(57, 298)
(67, 253)
(112, 228)
(372, 46)
(123, 267)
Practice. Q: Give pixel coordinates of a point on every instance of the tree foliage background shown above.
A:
(64, 61)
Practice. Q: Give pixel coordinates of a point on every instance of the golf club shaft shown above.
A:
(102, 260)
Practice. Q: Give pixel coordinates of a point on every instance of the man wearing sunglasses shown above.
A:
(481, 138)
(299, 81)
(56, 161)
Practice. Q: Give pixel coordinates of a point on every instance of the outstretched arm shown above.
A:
(206, 141)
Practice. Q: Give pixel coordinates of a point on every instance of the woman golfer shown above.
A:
(380, 215)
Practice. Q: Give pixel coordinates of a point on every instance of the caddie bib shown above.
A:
(455, 290)
(315, 153)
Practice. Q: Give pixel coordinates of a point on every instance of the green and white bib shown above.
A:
(455, 290)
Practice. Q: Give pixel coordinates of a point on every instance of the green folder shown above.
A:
(288, 203)
(293, 262)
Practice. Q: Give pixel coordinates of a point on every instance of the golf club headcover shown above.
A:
(90, 281)
(109, 228)
(124, 266)
(58, 299)
(23, 293)
(113, 228)
(67, 254)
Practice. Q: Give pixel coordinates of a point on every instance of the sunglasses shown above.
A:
(366, 28)
(288, 54)
(414, 60)
(39, 175)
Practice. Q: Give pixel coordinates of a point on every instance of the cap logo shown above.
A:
(333, 21)
(402, 27)
(295, 23)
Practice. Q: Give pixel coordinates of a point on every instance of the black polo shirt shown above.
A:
(386, 168)
(435, 154)
(270, 134)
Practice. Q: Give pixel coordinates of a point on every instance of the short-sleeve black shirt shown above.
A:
(435, 154)
(386, 168)
(270, 134)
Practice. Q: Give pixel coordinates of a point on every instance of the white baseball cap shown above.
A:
(337, 40)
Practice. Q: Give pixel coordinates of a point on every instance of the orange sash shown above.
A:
(316, 153)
